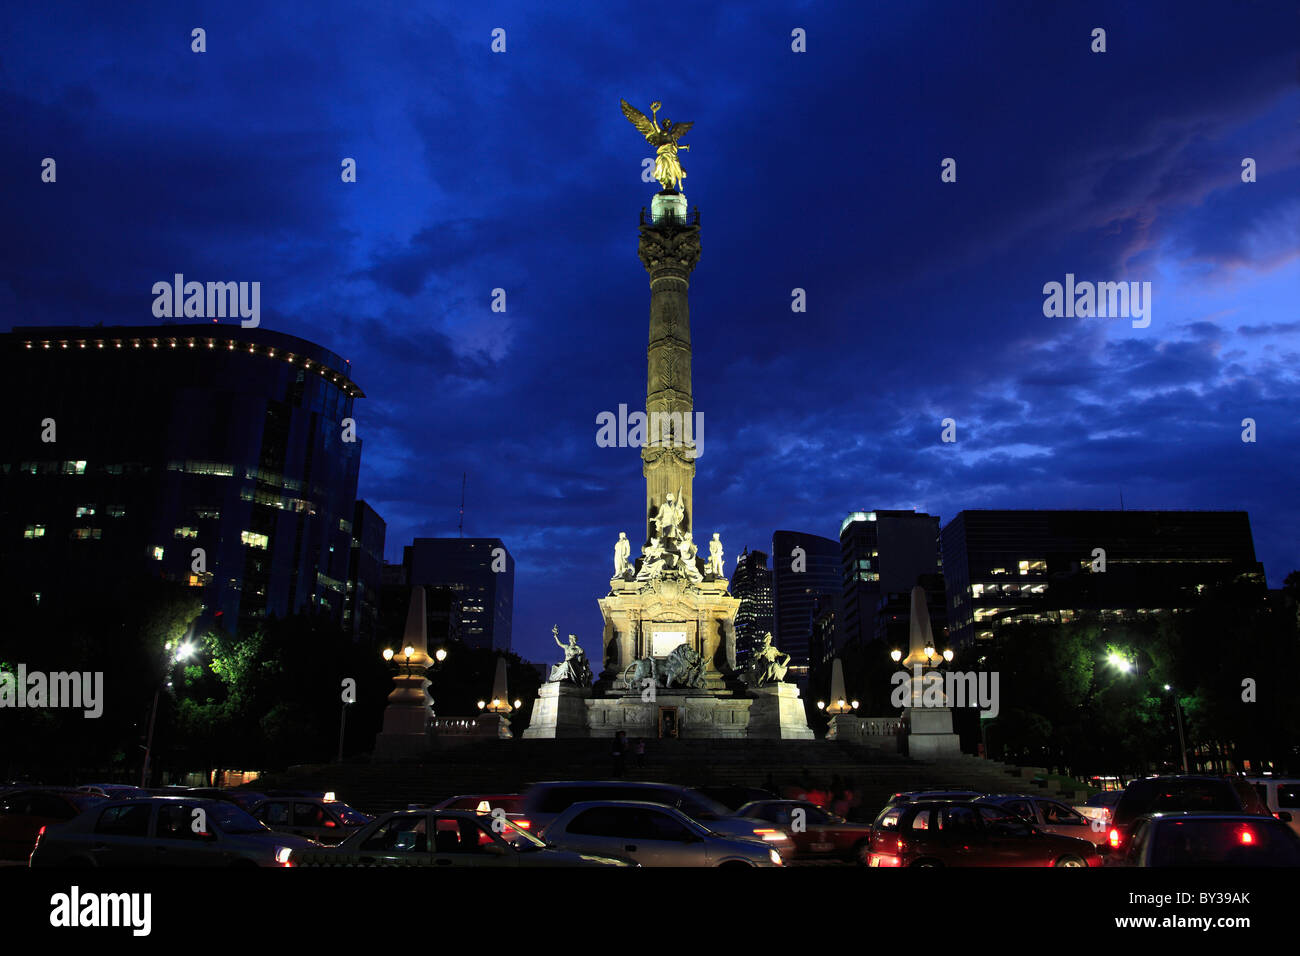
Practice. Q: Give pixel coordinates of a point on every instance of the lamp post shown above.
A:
(184, 651)
(1182, 741)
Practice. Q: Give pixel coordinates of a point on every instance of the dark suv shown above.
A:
(1181, 793)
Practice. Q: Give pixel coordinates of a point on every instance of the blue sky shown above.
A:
(817, 170)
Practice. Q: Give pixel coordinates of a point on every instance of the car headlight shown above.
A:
(776, 857)
(282, 855)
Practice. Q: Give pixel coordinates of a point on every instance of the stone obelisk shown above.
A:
(669, 248)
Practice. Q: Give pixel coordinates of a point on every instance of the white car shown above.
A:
(651, 834)
(1282, 796)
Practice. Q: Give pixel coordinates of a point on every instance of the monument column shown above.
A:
(669, 248)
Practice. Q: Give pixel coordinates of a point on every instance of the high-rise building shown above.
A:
(481, 571)
(752, 583)
(883, 553)
(211, 455)
(1003, 567)
(365, 573)
(803, 567)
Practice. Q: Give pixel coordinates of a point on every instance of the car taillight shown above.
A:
(1247, 837)
(1114, 839)
(330, 824)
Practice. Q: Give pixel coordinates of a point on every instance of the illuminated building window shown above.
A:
(34, 531)
(976, 590)
(74, 467)
(87, 534)
(84, 510)
(254, 540)
(998, 571)
(156, 553)
(186, 532)
(115, 511)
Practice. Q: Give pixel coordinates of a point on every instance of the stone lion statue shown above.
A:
(685, 667)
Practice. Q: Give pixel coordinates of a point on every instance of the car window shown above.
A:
(958, 820)
(350, 816)
(1225, 843)
(1059, 813)
(1138, 844)
(275, 814)
(815, 814)
(888, 818)
(595, 821)
(1000, 823)
(1020, 808)
(923, 819)
(452, 835)
(309, 815)
(1198, 796)
(404, 834)
(176, 822)
(125, 820)
(662, 826)
(232, 819)
(771, 813)
(1250, 800)
(559, 799)
(50, 806)
(1262, 790)
(1288, 796)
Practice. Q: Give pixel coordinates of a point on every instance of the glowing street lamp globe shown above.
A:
(388, 653)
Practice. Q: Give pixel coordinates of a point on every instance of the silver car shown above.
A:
(652, 834)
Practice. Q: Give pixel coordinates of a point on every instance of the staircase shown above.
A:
(509, 766)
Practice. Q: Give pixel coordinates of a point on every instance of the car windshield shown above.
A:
(230, 819)
(353, 818)
(700, 807)
(519, 838)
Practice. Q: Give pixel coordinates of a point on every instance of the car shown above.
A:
(1100, 806)
(1050, 816)
(460, 838)
(1195, 793)
(509, 804)
(319, 820)
(818, 833)
(543, 802)
(24, 812)
(652, 834)
(1209, 839)
(1280, 796)
(114, 791)
(971, 833)
(163, 831)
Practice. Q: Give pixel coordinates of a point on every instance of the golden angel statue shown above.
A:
(668, 170)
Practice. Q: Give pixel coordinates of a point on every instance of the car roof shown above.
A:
(609, 783)
(585, 804)
(1018, 796)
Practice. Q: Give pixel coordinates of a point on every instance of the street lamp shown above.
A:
(1182, 741)
(183, 652)
(896, 655)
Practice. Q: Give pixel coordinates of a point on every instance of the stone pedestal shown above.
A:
(694, 713)
(668, 206)
(878, 733)
(560, 711)
(777, 712)
(929, 733)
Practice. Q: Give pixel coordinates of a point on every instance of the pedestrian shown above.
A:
(640, 752)
(620, 751)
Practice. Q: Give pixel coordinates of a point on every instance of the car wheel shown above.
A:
(862, 852)
(930, 863)
(735, 864)
(1069, 861)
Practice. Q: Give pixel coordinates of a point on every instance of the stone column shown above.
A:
(669, 248)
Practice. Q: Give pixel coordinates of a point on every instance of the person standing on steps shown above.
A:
(640, 752)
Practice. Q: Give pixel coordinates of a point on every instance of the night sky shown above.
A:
(819, 170)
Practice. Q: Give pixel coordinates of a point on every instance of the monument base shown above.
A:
(777, 713)
(879, 733)
(673, 712)
(929, 733)
(560, 711)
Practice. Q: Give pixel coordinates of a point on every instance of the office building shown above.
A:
(481, 572)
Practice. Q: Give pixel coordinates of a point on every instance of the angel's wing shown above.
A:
(681, 129)
(638, 119)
